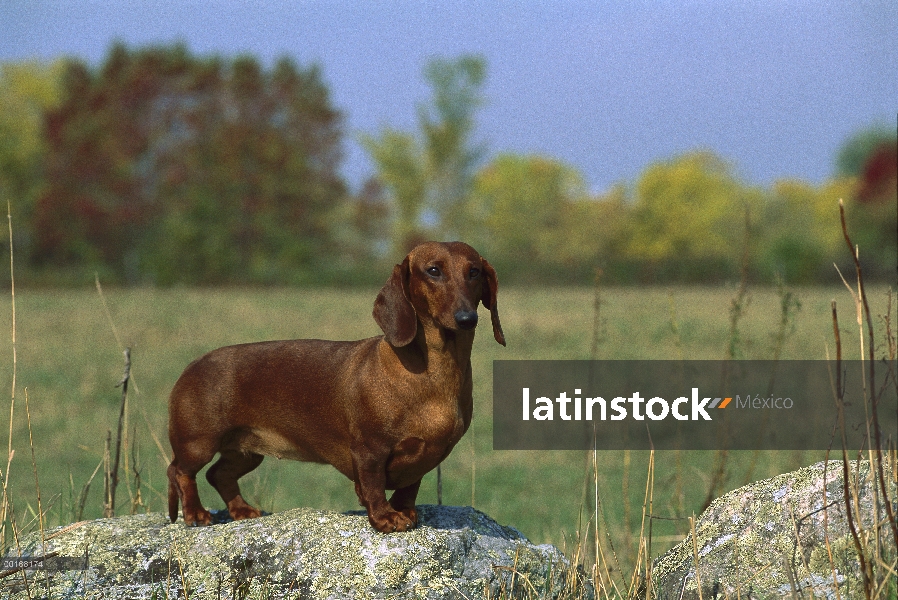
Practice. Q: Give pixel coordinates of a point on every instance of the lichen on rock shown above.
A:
(300, 553)
(769, 539)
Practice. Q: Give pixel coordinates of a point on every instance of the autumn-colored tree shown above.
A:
(173, 168)
(857, 149)
(870, 158)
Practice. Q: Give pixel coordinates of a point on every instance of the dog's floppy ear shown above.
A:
(490, 290)
(393, 311)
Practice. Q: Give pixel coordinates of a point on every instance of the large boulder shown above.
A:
(769, 539)
(302, 553)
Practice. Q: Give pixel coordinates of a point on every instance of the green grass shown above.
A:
(69, 362)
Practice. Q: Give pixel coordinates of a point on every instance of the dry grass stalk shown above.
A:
(873, 566)
(738, 306)
(625, 493)
(596, 317)
(698, 579)
(829, 550)
(107, 475)
(473, 465)
(113, 473)
(136, 498)
(6, 506)
(861, 302)
(602, 577)
(115, 334)
(840, 404)
(37, 485)
(650, 498)
(82, 498)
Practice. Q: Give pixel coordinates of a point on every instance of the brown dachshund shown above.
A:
(384, 410)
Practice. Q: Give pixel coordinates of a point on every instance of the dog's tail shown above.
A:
(173, 495)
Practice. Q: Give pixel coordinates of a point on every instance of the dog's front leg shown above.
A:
(370, 470)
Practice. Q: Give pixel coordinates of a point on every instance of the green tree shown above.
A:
(524, 215)
(429, 178)
(447, 127)
(688, 219)
(799, 235)
(401, 169)
(27, 91)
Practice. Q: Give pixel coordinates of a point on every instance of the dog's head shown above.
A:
(439, 283)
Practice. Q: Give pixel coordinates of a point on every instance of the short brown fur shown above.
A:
(384, 410)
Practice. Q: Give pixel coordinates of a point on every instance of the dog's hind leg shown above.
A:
(223, 476)
(182, 484)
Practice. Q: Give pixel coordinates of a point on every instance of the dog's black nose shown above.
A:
(466, 319)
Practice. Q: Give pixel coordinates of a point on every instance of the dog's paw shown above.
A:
(244, 512)
(393, 521)
(240, 510)
(411, 514)
(197, 518)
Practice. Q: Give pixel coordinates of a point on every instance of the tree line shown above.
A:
(159, 167)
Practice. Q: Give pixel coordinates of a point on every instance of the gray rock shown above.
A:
(768, 539)
(303, 553)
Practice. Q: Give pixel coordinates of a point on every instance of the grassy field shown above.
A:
(69, 360)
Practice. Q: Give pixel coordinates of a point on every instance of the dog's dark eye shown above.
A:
(474, 273)
(433, 271)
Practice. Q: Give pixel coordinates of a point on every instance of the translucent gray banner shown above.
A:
(691, 405)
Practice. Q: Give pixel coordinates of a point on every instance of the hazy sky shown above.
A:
(774, 86)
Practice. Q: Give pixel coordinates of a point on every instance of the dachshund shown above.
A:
(384, 411)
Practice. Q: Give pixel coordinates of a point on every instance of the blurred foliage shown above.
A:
(871, 157)
(402, 171)
(687, 219)
(28, 90)
(166, 168)
(684, 220)
(857, 149)
(158, 167)
(802, 235)
(523, 210)
(429, 178)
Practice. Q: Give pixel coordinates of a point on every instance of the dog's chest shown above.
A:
(439, 423)
(427, 441)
